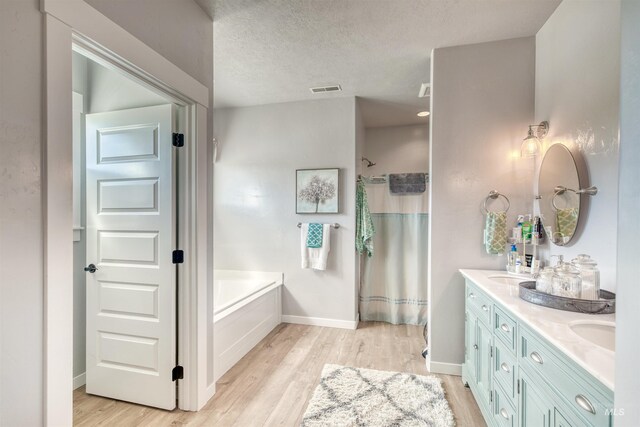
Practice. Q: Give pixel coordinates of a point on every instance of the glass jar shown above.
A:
(567, 282)
(544, 282)
(590, 276)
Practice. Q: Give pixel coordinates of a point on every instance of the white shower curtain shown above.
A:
(393, 285)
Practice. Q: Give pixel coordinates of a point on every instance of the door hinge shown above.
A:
(491, 396)
(491, 351)
(177, 373)
(518, 386)
(178, 139)
(177, 256)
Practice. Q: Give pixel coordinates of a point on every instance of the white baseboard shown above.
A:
(320, 321)
(444, 368)
(80, 380)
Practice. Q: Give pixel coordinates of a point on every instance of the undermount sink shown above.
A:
(602, 334)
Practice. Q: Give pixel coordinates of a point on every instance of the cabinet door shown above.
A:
(471, 345)
(484, 340)
(559, 420)
(534, 409)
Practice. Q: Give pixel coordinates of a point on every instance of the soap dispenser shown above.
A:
(590, 276)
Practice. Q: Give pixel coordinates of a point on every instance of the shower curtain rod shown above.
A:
(383, 176)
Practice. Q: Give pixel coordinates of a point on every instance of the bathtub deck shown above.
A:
(272, 384)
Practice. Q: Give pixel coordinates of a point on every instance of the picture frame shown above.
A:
(318, 191)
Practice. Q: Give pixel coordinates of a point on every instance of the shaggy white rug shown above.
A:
(364, 397)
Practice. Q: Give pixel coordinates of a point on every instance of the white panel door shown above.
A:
(131, 234)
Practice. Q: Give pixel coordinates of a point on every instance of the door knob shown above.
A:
(91, 268)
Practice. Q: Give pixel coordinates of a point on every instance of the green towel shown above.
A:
(364, 224)
(314, 236)
(566, 222)
(495, 239)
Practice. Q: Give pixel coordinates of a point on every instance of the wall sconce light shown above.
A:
(531, 144)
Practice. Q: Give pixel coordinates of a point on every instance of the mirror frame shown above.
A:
(583, 180)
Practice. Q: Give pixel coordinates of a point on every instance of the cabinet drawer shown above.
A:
(504, 413)
(580, 396)
(504, 369)
(505, 328)
(480, 303)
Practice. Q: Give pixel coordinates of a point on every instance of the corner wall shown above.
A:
(627, 393)
(578, 92)
(254, 207)
(481, 104)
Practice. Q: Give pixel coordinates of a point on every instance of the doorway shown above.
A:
(125, 234)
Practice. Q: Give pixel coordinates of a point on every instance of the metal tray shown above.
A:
(605, 305)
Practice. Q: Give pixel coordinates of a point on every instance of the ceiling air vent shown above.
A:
(425, 90)
(321, 89)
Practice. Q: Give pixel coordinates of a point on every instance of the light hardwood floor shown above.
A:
(273, 383)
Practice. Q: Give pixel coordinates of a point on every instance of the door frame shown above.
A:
(75, 25)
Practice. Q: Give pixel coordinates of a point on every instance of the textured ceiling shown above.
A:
(271, 51)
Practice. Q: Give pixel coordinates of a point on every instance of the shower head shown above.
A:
(369, 162)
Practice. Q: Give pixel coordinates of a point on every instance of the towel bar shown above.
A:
(335, 225)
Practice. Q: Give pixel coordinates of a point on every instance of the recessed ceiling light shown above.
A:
(423, 114)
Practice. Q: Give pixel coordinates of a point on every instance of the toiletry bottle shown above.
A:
(527, 230)
(536, 234)
(511, 260)
(519, 234)
(518, 264)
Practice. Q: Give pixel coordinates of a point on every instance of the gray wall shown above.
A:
(628, 317)
(578, 92)
(189, 46)
(482, 101)
(254, 207)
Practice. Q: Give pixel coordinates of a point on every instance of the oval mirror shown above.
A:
(558, 184)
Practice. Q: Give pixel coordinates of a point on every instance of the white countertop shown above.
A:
(552, 324)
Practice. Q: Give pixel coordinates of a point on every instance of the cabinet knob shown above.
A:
(504, 413)
(485, 308)
(505, 367)
(536, 358)
(472, 295)
(475, 346)
(585, 404)
(505, 327)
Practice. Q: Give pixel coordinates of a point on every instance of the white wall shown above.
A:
(628, 316)
(21, 269)
(578, 92)
(397, 149)
(189, 46)
(482, 101)
(108, 90)
(254, 206)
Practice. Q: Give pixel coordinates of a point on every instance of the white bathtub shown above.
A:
(246, 307)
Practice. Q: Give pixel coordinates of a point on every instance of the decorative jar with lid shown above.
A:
(590, 276)
(566, 281)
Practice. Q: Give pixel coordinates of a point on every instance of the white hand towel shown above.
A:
(315, 258)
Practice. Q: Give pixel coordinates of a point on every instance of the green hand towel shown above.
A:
(314, 236)
(364, 224)
(496, 233)
(566, 222)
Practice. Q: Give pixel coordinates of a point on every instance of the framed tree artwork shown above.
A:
(317, 190)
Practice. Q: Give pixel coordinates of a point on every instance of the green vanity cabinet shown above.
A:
(519, 379)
